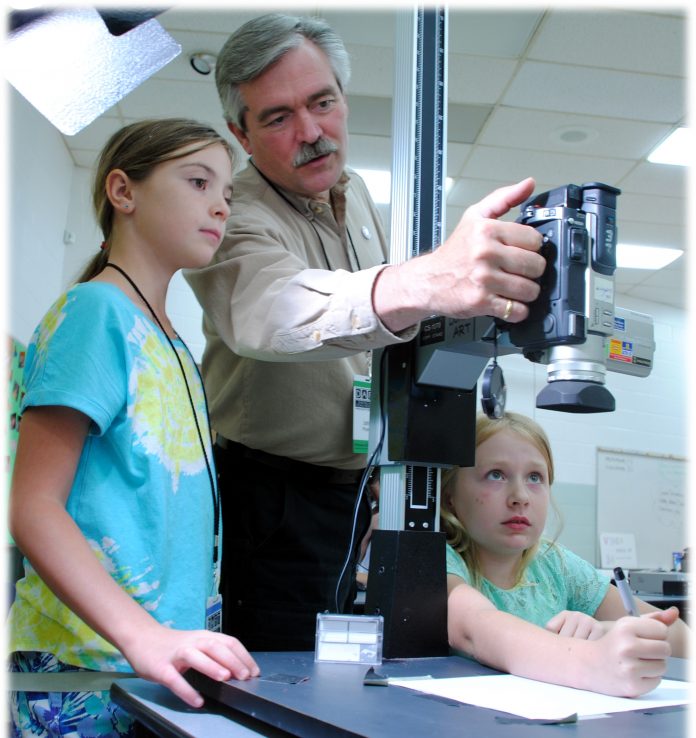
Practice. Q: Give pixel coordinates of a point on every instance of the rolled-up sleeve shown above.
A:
(266, 296)
(333, 311)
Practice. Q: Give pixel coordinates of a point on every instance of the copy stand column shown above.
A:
(407, 577)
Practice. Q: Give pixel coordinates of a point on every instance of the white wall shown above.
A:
(49, 197)
(39, 191)
(651, 416)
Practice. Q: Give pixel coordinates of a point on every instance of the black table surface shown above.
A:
(296, 696)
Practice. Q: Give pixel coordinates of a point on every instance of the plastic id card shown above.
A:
(361, 413)
(349, 639)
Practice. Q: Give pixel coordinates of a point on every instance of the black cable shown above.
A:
(282, 195)
(363, 480)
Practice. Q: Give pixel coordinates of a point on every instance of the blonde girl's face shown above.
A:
(503, 500)
(181, 208)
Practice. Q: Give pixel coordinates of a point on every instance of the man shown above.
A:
(294, 300)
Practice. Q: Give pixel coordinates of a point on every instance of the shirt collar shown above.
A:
(308, 206)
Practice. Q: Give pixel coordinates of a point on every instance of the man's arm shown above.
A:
(268, 293)
(482, 265)
(266, 303)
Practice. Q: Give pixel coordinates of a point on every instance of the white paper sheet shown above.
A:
(541, 701)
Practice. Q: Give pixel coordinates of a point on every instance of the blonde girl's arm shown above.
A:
(50, 443)
(628, 661)
(678, 634)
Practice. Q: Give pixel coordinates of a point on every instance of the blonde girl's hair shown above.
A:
(455, 530)
(137, 149)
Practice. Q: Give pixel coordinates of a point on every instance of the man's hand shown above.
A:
(486, 267)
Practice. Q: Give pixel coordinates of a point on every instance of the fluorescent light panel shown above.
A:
(634, 256)
(676, 149)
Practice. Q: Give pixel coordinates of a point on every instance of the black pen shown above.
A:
(625, 591)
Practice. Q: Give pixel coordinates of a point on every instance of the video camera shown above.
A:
(571, 323)
(573, 327)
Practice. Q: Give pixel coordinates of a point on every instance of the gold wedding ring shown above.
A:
(508, 310)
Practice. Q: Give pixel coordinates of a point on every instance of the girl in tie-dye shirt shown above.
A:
(114, 502)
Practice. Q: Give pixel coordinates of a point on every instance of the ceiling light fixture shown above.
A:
(676, 149)
(634, 256)
(203, 62)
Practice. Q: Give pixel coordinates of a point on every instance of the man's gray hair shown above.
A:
(261, 42)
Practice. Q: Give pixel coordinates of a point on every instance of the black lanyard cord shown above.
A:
(311, 223)
(216, 497)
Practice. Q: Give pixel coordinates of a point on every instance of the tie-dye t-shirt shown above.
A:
(555, 580)
(141, 495)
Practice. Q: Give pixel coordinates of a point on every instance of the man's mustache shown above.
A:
(309, 152)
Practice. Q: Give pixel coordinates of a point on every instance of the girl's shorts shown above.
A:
(63, 714)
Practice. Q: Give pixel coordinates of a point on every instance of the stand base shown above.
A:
(407, 585)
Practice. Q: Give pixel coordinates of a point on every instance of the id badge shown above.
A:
(213, 614)
(361, 413)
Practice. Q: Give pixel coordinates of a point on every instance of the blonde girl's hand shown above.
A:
(631, 658)
(162, 655)
(572, 624)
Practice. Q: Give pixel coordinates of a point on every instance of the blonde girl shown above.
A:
(528, 606)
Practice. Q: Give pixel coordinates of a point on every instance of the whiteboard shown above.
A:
(643, 494)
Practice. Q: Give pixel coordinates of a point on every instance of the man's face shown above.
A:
(296, 123)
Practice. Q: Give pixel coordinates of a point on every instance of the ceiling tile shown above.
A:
(549, 131)
(656, 179)
(625, 278)
(365, 27)
(503, 33)
(663, 295)
(457, 154)
(95, 134)
(575, 89)
(173, 99)
(468, 191)
(652, 208)
(479, 80)
(204, 19)
(372, 71)
(515, 164)
(370, 115)
(651, 234)
(666, 277)
(611, 39)
(464, 122)
(370, 152)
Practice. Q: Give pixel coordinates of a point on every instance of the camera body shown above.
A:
(571, 324)
(578, 226)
